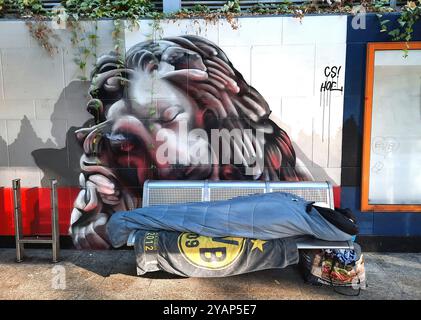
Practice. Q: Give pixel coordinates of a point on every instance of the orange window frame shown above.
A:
(368, 109)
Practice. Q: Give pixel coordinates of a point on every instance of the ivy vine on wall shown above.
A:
(75, 13)
(410, 14)
(29, 7)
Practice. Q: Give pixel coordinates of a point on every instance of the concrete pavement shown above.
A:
(112, 275)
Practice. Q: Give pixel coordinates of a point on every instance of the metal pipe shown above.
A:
(169, 6)
(55, 227)
(393, 4)
(18, 220)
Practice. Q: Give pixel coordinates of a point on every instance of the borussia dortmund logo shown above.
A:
(210, 253)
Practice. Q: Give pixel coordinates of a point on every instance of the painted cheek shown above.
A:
(143, 166)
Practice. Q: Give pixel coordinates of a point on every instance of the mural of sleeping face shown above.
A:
(175, 108)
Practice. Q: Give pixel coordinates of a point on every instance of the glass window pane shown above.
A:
(395, 160)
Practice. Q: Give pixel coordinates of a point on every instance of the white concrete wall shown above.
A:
(283, 58)
(41, 97)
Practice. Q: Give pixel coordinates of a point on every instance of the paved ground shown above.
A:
(111, 275)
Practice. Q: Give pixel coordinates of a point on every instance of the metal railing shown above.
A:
(248, 4)
(50, 4)
(54, 240)
(169, 6)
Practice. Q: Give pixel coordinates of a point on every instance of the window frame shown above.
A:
(372, 47)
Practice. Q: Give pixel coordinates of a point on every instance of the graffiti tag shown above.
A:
(329, 85)
(332, 79)
(384, 145)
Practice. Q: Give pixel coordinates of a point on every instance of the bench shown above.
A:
(173, 191)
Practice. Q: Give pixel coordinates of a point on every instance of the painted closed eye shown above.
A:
(170, 114)
(122, 142)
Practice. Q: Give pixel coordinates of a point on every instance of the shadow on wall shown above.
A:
(18, 153)
(4, 162)
(63, 164)
(27, 140)
(319, 173)
(351, 153)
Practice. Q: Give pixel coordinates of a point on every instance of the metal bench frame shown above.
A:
(20, 239)
(174, 191)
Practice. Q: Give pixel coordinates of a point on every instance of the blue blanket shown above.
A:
(260, 216)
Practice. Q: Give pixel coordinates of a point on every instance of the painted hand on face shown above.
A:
(106, 189)
(91, 233)
(87, 222)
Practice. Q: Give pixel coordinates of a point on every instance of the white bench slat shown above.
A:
(321, 244)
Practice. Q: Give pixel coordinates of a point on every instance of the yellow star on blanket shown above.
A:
(258, 244)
